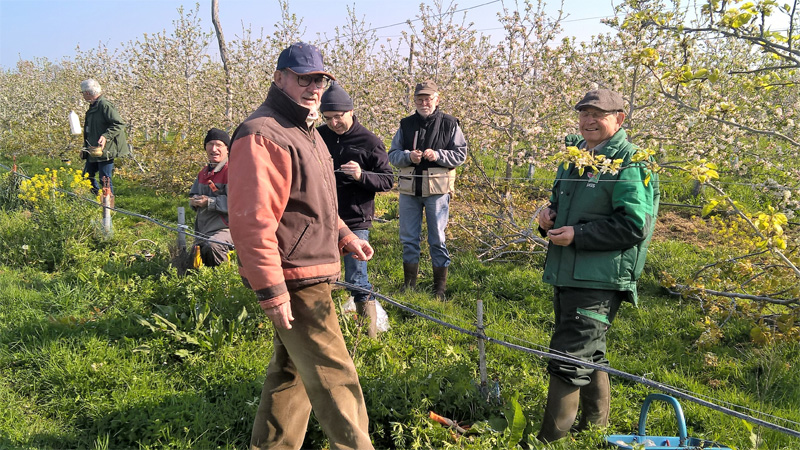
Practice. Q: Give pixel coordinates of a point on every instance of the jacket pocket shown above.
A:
(297, 242)
(405, 180)
(440, 180)
(603, 266)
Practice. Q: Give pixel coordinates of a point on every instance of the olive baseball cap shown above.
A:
(427, 87)
(604, 99)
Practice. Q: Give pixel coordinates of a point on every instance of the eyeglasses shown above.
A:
(596, 115)
(320, 81)
(423, 100)
(333, 117)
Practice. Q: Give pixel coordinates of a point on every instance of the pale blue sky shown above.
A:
(54, 28)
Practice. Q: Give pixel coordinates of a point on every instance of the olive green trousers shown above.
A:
(311, 369)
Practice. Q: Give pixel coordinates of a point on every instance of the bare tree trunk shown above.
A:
(223, 54)
(410, 73)
(189, 115)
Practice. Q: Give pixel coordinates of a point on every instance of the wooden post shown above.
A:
(482, 351)
(181, 229)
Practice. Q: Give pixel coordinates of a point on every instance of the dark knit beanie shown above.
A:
(215, 134)
(335, 99)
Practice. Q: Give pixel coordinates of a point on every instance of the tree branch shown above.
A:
(774, 301)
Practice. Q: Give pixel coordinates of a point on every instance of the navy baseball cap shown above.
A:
(303, 59)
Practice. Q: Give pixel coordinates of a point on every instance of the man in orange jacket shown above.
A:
(289, 239)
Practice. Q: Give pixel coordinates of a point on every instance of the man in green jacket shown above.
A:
(599, 226)
(104, 136)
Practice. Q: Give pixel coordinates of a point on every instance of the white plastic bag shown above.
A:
(74, 123)
(383, 318)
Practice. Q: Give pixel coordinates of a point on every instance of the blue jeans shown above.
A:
(105, 168)
(355, 271)
(437, 213)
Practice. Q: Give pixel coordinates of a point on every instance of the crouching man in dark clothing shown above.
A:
(209, 197)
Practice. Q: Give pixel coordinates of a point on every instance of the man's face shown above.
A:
(339, 121)
(308, 96)
(426, 104)
(216, 151)
(597, 125)
(87, 96)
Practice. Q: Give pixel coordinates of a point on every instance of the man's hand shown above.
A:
(562, 236)
(101, 142)
(359, 249)
(547, 218)
(281, 315)
(415, 155)
(199, 201)
(353, 169)
(430, 154)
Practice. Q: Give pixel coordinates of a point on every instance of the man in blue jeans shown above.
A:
(103, 135)
(426, 149)
(362, 169)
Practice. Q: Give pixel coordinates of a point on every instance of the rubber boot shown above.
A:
(368, 314)
(595, 401)
(561, 410)
(409, 276)
(439, 282)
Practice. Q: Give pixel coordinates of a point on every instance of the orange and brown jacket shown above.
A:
(282, 202)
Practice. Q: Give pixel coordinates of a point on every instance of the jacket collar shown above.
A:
(95, 102)
(611, 146)
(214, 168)
(616, 143)
(353, 128)
(429, 118)
(287, 107)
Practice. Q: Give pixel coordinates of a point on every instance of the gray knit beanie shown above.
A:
(335, 99)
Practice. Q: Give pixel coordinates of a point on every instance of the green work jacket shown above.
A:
(613, 216)
(102, 119)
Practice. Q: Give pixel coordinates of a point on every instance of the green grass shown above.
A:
(80, 369)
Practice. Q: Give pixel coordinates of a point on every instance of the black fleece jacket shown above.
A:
(357, 197)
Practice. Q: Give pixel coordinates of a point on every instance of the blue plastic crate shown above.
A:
(680, 442)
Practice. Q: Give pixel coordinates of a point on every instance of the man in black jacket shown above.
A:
(362, 169)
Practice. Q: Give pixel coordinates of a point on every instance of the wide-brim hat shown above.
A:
(303, 59)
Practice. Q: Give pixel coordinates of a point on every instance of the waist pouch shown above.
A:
(435, 180)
